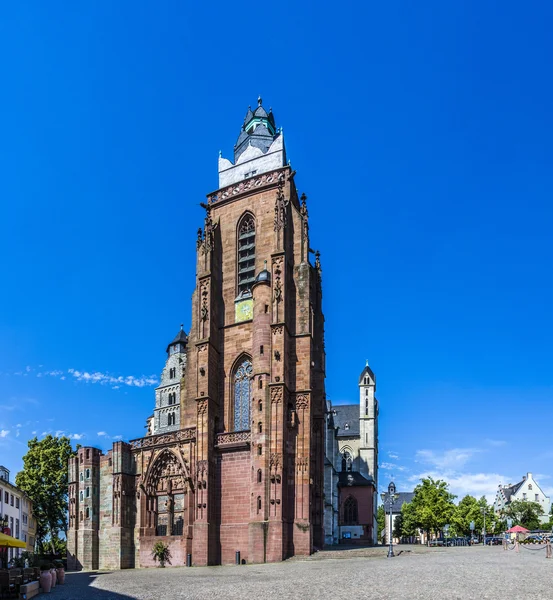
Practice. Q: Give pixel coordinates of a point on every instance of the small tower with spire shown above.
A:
(368, 424)
(258, 149)
(168, 394)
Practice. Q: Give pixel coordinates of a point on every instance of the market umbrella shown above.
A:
(7, 541)
(517, 529)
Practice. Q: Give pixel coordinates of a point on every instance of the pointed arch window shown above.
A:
(242, 395)
(350, 511)
(246, 253)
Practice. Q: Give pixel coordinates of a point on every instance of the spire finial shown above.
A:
(367, 364)
(259, 100)
(265, 264)
(182, 326)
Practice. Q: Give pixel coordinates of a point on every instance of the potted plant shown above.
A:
(60, 571)
(45, 578)
(161, 553)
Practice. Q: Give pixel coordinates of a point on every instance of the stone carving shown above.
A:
(281, 205)
(206, 242)
(302, 463)
(202, 407)
(277, 329)
(254, 183)
(164, 439)
(275, 461)
(276, 395)
(302, 401)
(305, 215)
(233, 437)
(202, 347)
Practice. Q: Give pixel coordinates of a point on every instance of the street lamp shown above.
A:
(390, 498)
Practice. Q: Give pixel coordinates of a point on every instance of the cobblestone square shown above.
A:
(418, 572)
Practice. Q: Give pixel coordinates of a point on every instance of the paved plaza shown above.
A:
(418, 572)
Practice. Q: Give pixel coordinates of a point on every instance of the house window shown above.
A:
(242, 395)
(537, 497)
(246, 253)
(350, 511)
(346, 426)
(17, 503)
(529, 486)
(6, 497)
(88, 473)
(524, 495)
(259, 476)
(11, 499)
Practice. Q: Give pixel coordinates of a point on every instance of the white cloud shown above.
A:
(102, 434)
(461, 484)
(105, 378)
(17, 432)
(393, 455)
(96, 377)
(117, 437)
(4, 433)
(76, 436)
(33, 432)
(496, 443)
(449, 459)
(392, 467)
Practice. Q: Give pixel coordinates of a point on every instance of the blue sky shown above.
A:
(421, 133)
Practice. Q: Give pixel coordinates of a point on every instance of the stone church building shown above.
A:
(234, 455)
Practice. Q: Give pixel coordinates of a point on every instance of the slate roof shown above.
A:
(511, 490)
(404, 498)
(346, 414)
(353, 478)
(367, 371)
(180, 337)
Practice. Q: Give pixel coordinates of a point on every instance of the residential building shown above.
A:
(527, 489)
(16, 507)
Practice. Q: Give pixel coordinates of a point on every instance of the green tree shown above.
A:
(44, 480)
(398, 526)
(524, 513)
(408, 522)
(432, 505)
(380, 521)
(466, 511)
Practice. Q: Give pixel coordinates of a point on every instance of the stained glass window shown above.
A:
(242, 396)
(350, 511)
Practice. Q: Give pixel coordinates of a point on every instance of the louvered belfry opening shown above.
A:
(246, 253)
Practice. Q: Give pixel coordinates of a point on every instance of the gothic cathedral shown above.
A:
(233, 458)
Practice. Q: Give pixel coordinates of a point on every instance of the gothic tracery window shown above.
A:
(242, 395)
(350, 511)
(347, 461)
(246, 253)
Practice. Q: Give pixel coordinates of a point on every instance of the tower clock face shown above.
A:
(244, 310)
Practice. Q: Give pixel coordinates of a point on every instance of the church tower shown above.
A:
(255, 374)
(168, 394)
(368, 424)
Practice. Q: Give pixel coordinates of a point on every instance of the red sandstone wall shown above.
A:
(235, 504)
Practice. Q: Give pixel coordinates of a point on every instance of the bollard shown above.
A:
(237, 557)
(189, 560)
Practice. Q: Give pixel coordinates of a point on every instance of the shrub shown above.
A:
(161, 553)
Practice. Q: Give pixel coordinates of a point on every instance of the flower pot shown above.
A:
(54, 577)
(61, 575)
(45, 581)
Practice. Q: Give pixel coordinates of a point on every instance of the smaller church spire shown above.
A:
(259, 101)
